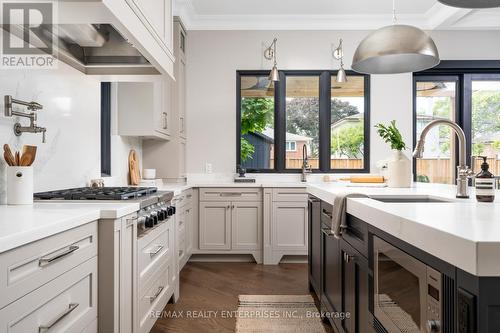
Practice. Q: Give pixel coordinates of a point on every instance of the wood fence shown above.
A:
(438, 170)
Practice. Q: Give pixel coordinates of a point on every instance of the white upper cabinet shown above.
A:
(157, 17)
(143, 109)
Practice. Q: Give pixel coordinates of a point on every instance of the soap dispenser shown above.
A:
(485, 183)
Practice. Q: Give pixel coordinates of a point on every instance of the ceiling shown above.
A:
(329, 15)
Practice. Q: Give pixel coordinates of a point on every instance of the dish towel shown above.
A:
(339, 211)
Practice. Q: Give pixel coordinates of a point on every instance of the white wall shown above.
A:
(71, 114)
(214, 57)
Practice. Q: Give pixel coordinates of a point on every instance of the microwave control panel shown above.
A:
(434, 296)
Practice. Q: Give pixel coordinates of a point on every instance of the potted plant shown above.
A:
(399, 167)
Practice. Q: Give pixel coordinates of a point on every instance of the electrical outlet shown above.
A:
(208, 167)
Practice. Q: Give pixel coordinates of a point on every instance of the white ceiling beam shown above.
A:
(440, 16)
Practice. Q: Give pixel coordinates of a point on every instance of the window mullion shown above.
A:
(324, 121)
(280, 124)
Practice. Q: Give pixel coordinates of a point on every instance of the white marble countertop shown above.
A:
(462, 232)
(21, 225)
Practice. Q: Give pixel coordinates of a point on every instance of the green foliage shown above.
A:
(423, 179)
(477, 148)
(496, 145)
(348, 141)
(485, 113)
(256, 115)
(390, 134)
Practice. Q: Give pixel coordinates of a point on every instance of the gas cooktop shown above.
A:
(97, 193)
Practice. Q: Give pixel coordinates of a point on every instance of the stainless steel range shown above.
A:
(155, 206)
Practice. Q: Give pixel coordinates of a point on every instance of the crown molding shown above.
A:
(438, 17)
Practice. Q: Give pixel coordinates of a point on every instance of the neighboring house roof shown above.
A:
(262, 136)
(355, 118)
(269, 132)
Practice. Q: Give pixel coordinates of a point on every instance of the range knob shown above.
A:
(161, 215)
(154, 215)
(433, 326)
(149, 223)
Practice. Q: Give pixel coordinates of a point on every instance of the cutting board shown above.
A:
(133, 168)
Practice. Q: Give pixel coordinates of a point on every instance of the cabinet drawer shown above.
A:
(184, 199)
(230, 194)
(153, 249)
(290, 194)
(65, 304)
(155, 296)
(28, 267)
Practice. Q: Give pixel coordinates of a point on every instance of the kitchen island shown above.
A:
(419, 254)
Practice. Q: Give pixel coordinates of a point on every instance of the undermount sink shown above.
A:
(410, 199)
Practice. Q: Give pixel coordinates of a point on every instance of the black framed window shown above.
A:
(467, 92)
(276, 120)
(105, 129)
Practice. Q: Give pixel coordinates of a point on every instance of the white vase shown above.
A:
(399, 170)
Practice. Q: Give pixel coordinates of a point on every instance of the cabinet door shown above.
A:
(354, 289)
(128, 269)
(246, 225)
(331, 273)
(215, 225)
(314, 253)
(156, 15)
(181, 97)
(162, 106)
(289, 226)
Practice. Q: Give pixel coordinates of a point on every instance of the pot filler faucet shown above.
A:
(306, 168)
(31, 106)
(463, 171)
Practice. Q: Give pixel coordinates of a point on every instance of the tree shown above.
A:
(485, 113)
(348, 141)
(302, 117)
(256, 115)
(477, 149)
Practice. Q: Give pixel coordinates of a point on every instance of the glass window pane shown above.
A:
(257, 123)
(302, 120)
(347, 124)
(486, 123)
(436, 99)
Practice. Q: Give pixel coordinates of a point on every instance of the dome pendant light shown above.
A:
(471, 3)
(395, 49)
(270, 54)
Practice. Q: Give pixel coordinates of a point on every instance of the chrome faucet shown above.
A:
(31, 106)
(306, 168)
(463, 171)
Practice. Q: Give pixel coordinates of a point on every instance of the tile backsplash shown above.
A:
(71, 113)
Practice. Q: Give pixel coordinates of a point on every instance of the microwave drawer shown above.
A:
(65, 304)
(30, 266)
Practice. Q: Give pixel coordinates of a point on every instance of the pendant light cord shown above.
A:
(394, 18)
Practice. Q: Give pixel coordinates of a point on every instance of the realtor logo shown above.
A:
(28, 36)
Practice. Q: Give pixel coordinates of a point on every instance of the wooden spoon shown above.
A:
(9, 157)
(18, 159)
(28, 156)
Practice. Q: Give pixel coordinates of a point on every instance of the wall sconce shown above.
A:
(270, 54)
(338, 54)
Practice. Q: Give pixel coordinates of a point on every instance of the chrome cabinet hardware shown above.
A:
(348, 258)
(327, 231)
(44, 261)
(327, 214)
(155, 252)
(53, 322)
(155, 296)
(189, 196)
(165, 120)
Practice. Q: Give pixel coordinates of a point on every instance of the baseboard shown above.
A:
(295, 259)
(222, 258)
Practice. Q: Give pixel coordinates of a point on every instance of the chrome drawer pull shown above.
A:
(327, 231)
(155, 252)
(155, 296)
(47, 260)
(189, 196)
(53, 322)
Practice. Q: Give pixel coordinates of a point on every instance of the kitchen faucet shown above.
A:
(463, 171)
(306, 168)
(31, 106)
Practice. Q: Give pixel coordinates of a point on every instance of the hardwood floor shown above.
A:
(216, 286)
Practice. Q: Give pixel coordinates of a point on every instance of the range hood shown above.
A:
(90, 48)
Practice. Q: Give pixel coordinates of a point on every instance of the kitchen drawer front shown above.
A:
(356, 234)
(30, 266)
(230, 194)
(155, 296)
(65, 304)
(183, 199)
(290, 195)
(153, 249)
(326, 213)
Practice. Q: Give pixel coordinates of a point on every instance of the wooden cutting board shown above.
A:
(133, 168)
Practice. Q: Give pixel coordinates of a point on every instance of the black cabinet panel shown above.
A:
(331, 274)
